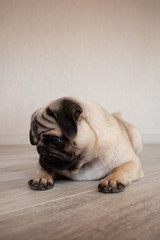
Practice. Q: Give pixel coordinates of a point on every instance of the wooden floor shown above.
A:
(76, 210)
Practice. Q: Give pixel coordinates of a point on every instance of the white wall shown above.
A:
(105, 50)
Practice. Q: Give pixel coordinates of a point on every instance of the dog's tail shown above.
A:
(133, 133)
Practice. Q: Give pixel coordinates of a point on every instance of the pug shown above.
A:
(77, 138)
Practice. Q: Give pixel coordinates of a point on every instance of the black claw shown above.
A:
(120, 186)
(99, 187)
(33, 187)
(36, 185)
(39, 185)
(111, 189)
(42, 187)
(30, 182)
(50, 185)
(102, 188)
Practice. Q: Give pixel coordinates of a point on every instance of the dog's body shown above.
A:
(79, 139)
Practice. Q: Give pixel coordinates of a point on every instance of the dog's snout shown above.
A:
(51, 158)
(42, 151)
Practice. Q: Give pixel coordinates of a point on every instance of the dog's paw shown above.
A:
(110, 186)
(41, 183)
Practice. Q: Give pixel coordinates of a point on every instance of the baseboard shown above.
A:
(24, 140)
(151, 138)
(14, 140)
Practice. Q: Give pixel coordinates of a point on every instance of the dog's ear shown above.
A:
(33, 134)
(67, 117)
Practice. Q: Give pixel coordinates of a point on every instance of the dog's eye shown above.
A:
(57, 142)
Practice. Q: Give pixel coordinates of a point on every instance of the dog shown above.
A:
(77, 138)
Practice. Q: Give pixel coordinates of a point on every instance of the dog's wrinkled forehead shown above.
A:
(41, 124)
(60, 115)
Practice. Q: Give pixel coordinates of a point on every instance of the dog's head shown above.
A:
(53, 130)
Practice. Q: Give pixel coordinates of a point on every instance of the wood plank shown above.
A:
(76, 210)
(92, 215)
(150, 158)
(17, 162)
(23, 196)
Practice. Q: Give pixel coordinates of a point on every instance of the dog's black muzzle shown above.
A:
(56, 160)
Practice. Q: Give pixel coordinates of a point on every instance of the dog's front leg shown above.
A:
(121, 176)
(42, 180)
